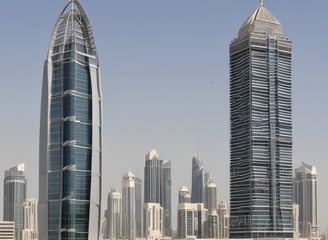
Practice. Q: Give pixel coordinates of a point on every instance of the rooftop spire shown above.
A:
(261, 3)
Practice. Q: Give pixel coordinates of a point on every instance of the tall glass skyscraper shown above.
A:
(14, 193)
(198, 181)
(70, 148)
(158, 186)
(261, 184)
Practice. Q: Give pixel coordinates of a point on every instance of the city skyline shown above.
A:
(194, 89)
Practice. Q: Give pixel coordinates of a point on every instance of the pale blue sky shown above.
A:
(165, 75)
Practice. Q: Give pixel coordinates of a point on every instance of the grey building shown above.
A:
(261, 184)
(306, 196)
(198, 181)
(157, 186)
(139, 208)
(70, 150)
(14, 193)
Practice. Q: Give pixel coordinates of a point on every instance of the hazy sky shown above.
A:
(165, 79)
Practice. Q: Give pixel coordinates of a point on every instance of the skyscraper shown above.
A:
(70, 148)
(223, 213)
(139, 207)
(114, 215)
(261, 129)
(210, 195)
(30, 231)
(158, 186)
(197, 181)
(306, 196)
(131, 207)
(14, 196)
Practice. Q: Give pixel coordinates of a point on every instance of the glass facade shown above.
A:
(197, 182)
(70, 135)
(157, 186)
(14, 193)
(261, 184)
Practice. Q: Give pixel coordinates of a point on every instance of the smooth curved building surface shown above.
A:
(261, 185)
(70, 148)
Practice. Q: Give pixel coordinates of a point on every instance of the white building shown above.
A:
(306, 196)
(153, 220)
(191, 220)
(223, 213)
(113, 216)
(30, 231)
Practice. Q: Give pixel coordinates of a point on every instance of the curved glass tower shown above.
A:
(261, 186)
(70, 148)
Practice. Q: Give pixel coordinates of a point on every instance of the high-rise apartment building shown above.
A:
(198, 181)
(261, 184)
(7, 230)
(113, 216)
(157, 186)
(306, 196)
(14, 193)
(296, 218)
(191, 220)
(212, 224)
(30, 231)
(70, 150)
(131, 207)
(224, 219)
(139, 207)
(153, 220)
(210, 195)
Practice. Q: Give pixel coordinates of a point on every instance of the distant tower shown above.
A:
(197, 181)
(14, 197)
(261, 182)
(157, 186)
(210, 195)
(139, 208)
(296, 217)
(191, 220)
(30, 231)
(212, 224)
(306, 196)
(184, 195)
(114, 215)
(223, 213)
(153, 220)
(128, 207)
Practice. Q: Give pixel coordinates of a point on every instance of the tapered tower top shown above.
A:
(73, 25)
(261, 20)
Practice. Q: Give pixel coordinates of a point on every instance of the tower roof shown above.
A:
(306, 168)
(153, 154)
(261, 20)
(73, 25)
